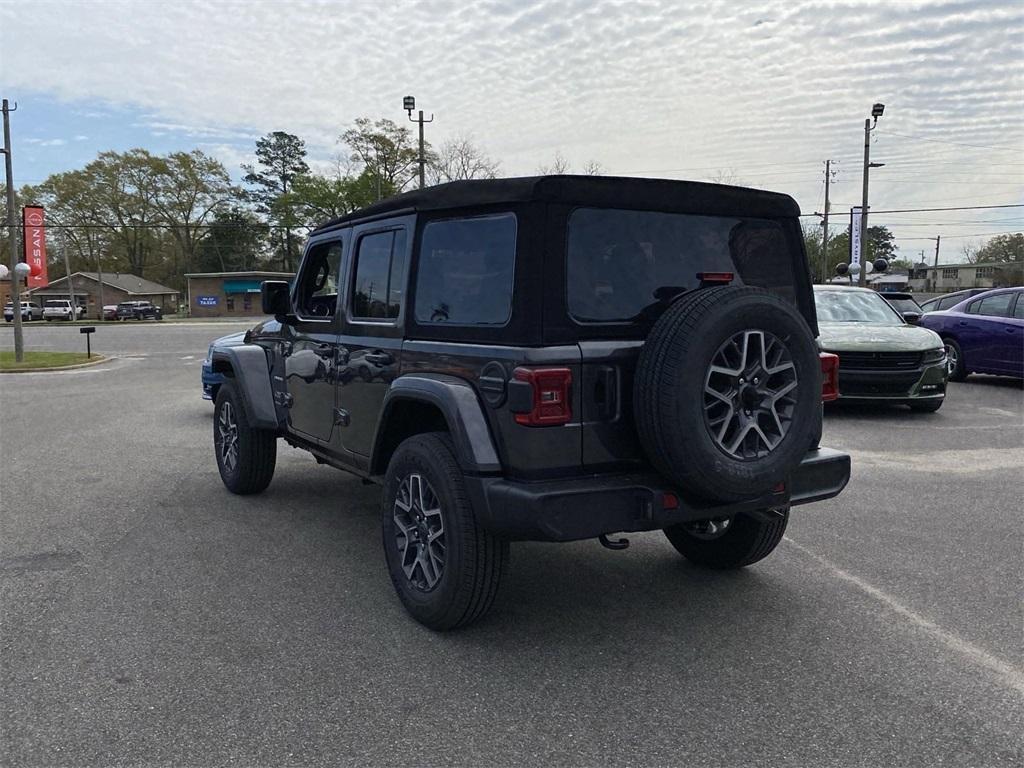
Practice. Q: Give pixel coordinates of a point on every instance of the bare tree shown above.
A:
(728, 177)
(593, 168)
(460, 158)
(558, 165)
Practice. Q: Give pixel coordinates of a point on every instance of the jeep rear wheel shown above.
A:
(445, 568)
(728, 388)
(729, 543)
(246, 456)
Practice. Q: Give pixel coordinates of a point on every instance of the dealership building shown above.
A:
(228, 294)
(93, 290)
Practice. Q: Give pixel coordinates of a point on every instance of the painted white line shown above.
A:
(188, 357)
(1007, 673)
(963, 461)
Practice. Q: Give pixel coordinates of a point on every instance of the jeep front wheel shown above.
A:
(246, 456)
(445, 568)
(730, 542)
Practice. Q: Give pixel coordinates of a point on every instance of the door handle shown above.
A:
(379, 357)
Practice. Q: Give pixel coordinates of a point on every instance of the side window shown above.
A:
(465, 271)
(317, 290)
(379, 276)
(995, 306)
(1018, 310)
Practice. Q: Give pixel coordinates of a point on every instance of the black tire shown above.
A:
(748, 538)
(673, 413)
(927, 406)
(474, 561)
(255, 449)
(957, 371)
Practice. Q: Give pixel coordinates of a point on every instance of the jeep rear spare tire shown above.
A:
(728, 388)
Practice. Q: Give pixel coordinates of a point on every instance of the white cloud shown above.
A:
(47, 142)
(681, 89)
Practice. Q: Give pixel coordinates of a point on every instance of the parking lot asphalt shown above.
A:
(150, 617)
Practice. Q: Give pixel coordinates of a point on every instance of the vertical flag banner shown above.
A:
(855, 236)
(34, 226)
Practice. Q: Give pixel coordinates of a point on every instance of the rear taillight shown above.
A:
(715, 278)
(551, 390)
(829, 377)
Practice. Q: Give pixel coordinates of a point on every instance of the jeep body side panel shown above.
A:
(370, 349)
(248, 363)
(462, 410)
(527, 453)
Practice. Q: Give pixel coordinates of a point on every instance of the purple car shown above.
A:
(983, 334)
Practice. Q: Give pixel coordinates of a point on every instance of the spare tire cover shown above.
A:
(728, 392)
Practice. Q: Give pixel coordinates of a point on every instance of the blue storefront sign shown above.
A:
(206, 301)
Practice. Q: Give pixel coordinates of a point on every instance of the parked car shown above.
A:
(948, 300)
(110, 311)
(138, 310)
(905, 304)
(552, 360)
(29, 311)
(212, 380)
(61, 309)
(882, 358)
(983, 334)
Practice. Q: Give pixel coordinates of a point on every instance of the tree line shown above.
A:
(161, 216)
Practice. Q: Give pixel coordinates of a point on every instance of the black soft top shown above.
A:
(598, 191)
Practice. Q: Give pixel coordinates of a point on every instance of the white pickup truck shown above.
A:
(60, 309)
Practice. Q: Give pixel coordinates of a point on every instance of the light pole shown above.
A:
(876, 112)
(409, 104)
(17, 273)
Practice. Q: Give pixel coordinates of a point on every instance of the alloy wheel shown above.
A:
(419, 532)
(952, 359)
(750, 393)
(227, 430)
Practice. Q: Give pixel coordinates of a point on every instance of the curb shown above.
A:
(99, 359)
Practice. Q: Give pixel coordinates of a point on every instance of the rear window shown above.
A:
(57, 304)
(465, 271)
(620, 262)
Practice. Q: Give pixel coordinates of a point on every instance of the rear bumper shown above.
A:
(583, 508)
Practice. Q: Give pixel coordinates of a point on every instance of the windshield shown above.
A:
(854, 307)
(621, 262)
(904, 305)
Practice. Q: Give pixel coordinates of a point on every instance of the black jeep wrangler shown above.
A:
(547, 359)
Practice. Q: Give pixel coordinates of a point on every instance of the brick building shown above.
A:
(114, 288)
(228, 294)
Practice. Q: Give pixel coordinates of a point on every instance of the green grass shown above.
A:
(42, 360)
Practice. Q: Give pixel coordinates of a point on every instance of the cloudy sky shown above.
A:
(761, 93)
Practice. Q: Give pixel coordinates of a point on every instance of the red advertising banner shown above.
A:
(34, 223)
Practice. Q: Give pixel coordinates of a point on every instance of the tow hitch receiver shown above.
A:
(613, 543)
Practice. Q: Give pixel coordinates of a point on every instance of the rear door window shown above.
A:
(621, 262)
(993, 306)
(465, 271)
(379, 276)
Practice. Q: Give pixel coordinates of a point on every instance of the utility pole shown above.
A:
(409, 104)
(71, 287)
(935, 280)
(824, 225)
(876, 112)
(12, 238)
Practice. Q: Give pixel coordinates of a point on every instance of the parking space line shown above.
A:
(1009, 674)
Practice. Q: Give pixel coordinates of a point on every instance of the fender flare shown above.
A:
(248, 364)
(458, 403)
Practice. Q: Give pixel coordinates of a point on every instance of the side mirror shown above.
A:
(911, 316)
(274, 296)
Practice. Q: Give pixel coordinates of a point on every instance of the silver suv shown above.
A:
(60, 309)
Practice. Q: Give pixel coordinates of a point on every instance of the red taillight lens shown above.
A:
(829, 377)
(552, 396)
(715, 277)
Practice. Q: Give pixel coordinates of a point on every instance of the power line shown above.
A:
(954, 143)
(930, 210)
